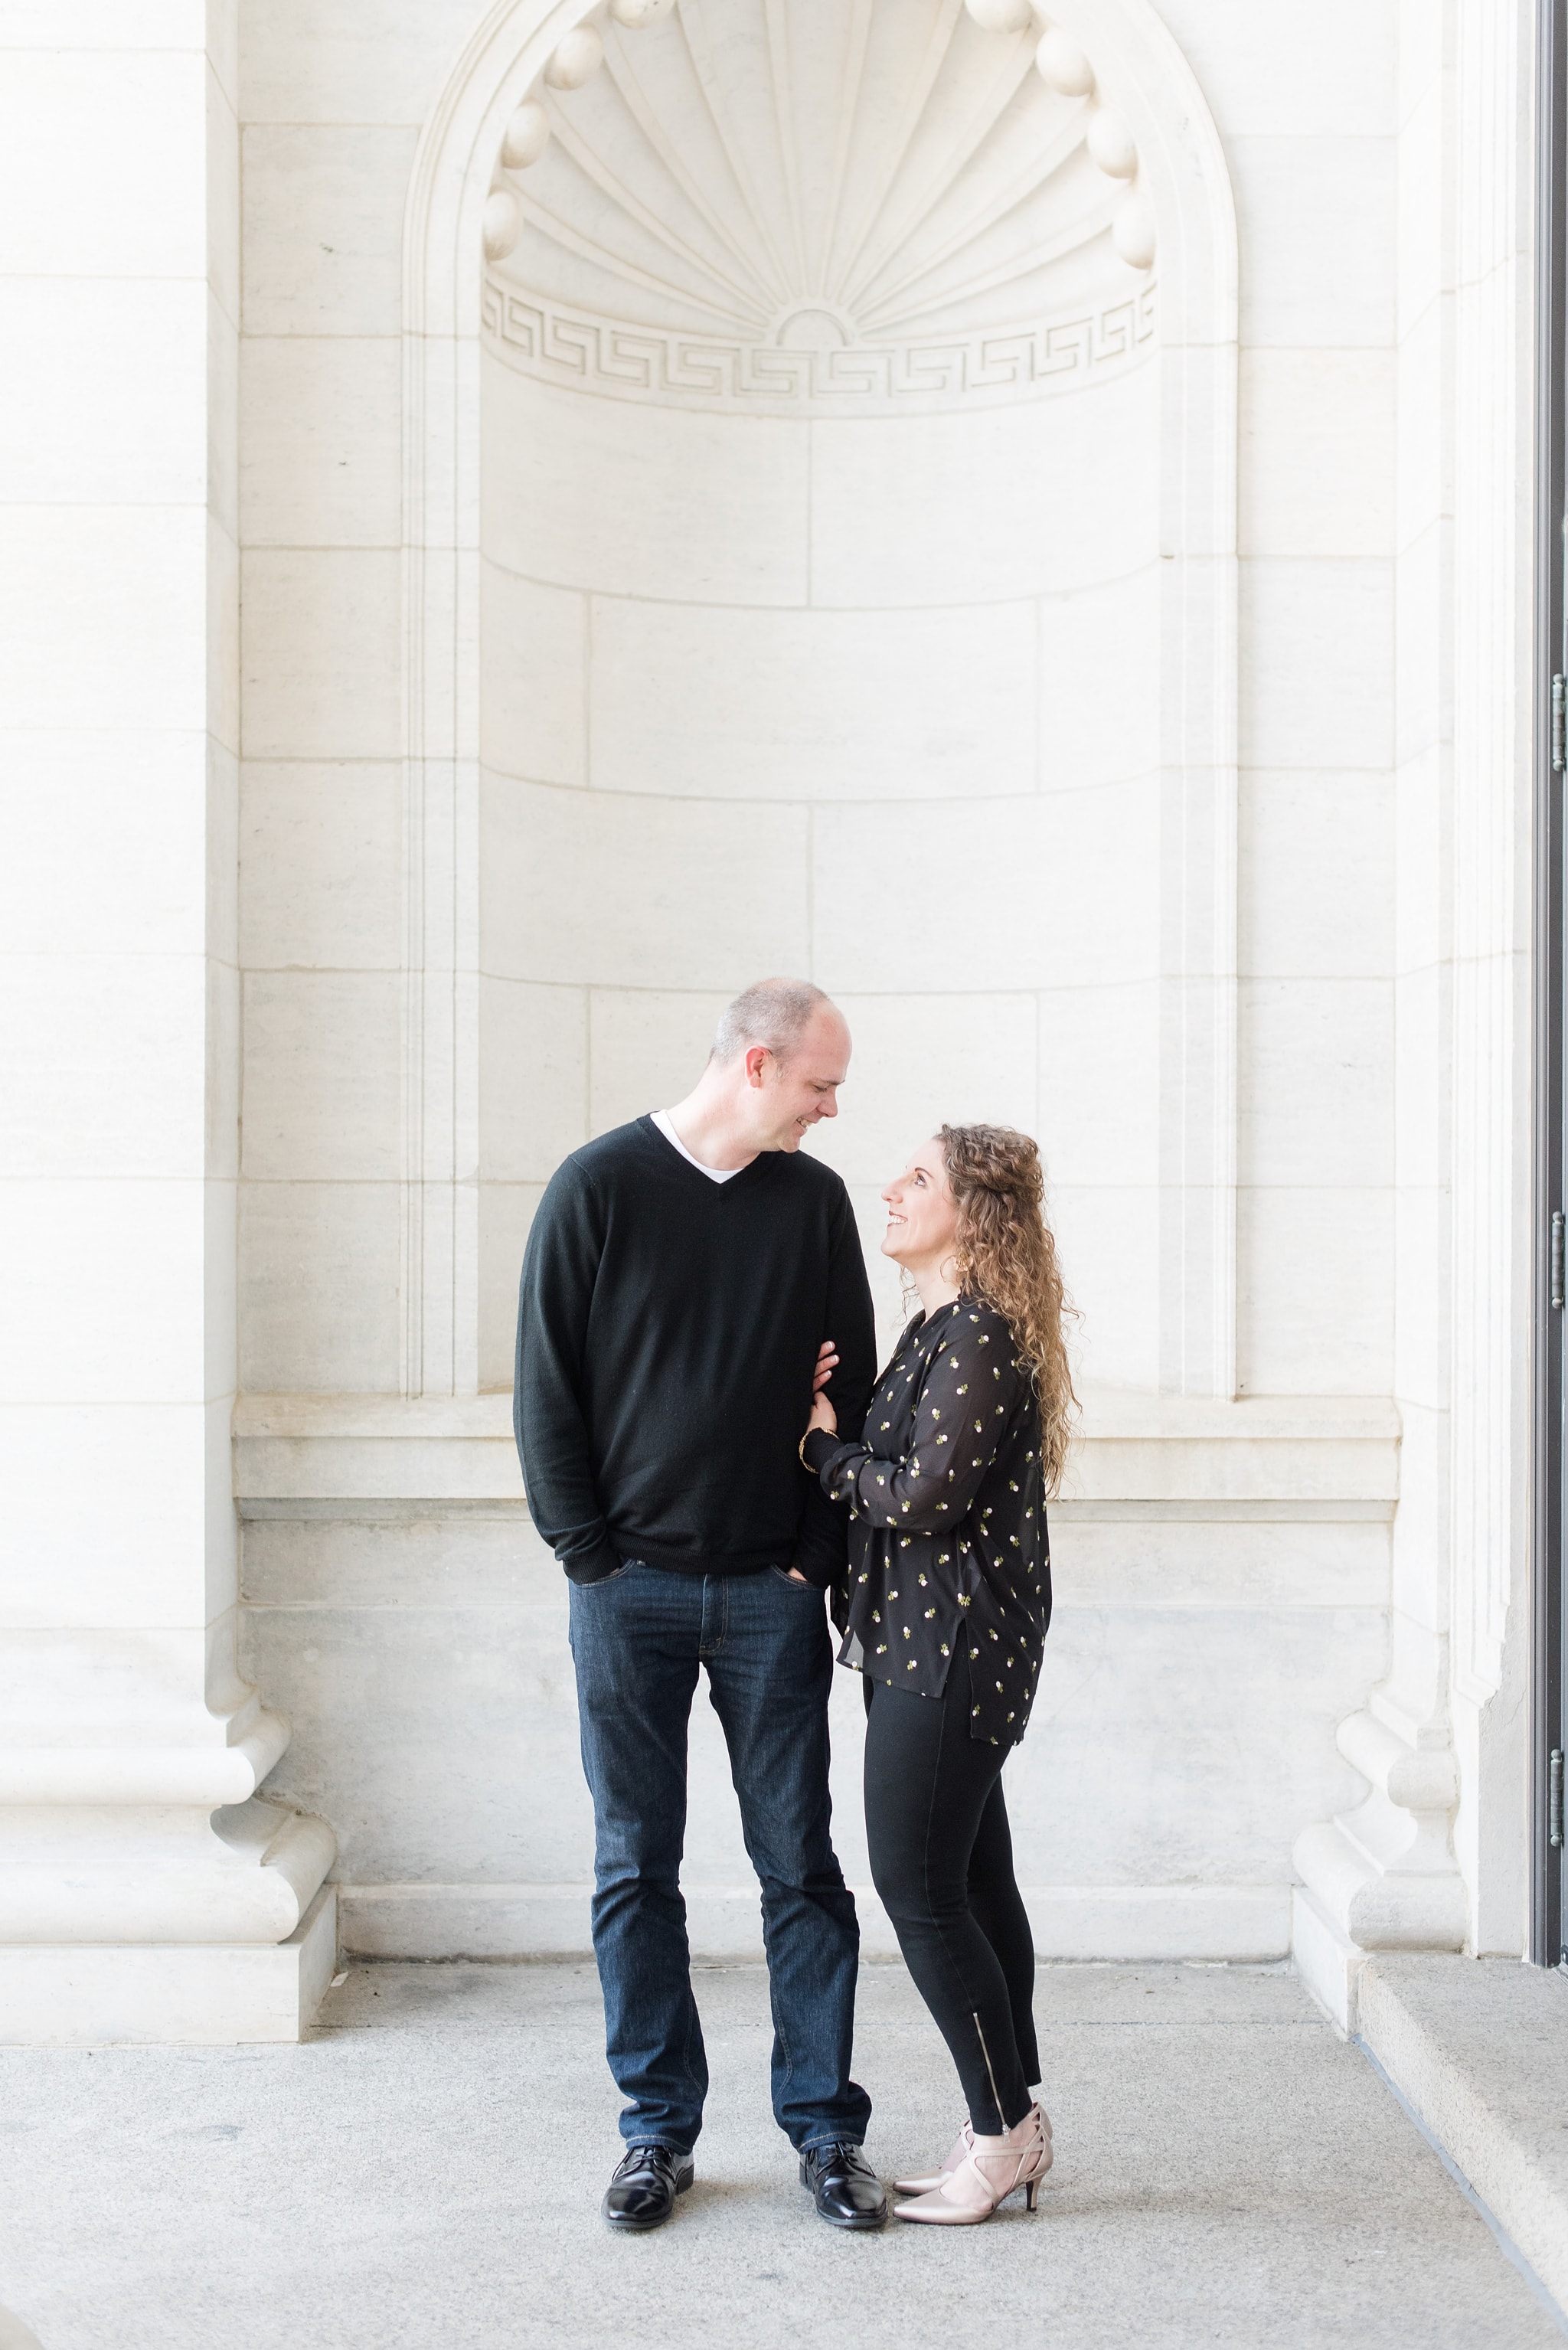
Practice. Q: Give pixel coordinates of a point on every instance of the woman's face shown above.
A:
(923, 1217)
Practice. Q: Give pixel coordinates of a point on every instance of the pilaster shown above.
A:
(1433, 1858)
(147, 1891)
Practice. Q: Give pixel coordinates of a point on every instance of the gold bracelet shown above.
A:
(800, 1453)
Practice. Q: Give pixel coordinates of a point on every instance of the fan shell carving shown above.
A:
(831, 205)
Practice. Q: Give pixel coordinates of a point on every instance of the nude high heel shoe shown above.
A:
(961, 2146)
(936, 2179)
(993, 2168)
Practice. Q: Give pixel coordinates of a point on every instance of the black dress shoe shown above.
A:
(848, 2191)
(648, 2178)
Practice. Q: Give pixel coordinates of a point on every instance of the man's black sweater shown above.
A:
(667, 1328)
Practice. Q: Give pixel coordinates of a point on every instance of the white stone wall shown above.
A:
(754, 701)
(753, 691)
(1310, 150)
(559, 715)
(329, 137)
(1221, 1591)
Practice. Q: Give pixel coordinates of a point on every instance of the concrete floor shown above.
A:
(425, 2171)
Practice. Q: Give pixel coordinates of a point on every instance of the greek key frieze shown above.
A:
(679, 369)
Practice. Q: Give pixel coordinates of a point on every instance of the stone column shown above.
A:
(146, 1891)
(1381, 1876)
(1436, 1855)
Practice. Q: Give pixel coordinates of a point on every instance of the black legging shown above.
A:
(941, 1859)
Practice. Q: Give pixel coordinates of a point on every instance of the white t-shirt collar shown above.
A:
(661, 1120)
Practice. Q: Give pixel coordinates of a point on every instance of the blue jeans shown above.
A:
(638, 1639)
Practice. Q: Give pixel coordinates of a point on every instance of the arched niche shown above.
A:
(767, 615)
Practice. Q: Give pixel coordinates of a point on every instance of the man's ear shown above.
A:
(756, 1055)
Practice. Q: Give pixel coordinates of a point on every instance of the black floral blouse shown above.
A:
(947, 1538)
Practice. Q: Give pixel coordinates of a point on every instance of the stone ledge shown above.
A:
(193, 1994)
(1480, 2050)
(1137, 1454)
(1247, 1923)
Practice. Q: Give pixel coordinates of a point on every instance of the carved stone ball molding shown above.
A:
(1061, 63)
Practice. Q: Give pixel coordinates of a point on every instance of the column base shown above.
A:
(1326, 1959)
(198, 1994)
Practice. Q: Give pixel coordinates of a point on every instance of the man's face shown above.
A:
(791, 1094)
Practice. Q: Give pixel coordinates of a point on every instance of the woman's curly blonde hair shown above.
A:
(1007, 1255)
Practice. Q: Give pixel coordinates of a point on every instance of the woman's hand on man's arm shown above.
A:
(822, 1415)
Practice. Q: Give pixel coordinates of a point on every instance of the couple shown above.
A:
(708, 1450)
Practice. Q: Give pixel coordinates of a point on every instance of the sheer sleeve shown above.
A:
(820, 1548)
(964, 1410)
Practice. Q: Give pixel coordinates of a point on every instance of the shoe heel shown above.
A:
(1031, 2191)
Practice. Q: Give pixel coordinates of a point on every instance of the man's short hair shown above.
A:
(770, 1012)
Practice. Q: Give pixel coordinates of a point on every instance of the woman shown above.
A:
(948, 1598)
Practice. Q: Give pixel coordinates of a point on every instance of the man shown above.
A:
(688, 1279)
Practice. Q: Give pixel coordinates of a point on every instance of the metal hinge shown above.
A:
(1554, 1814)
(1559, 724)
(1557, 1258)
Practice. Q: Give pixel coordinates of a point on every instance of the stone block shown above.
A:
(107, 1290)
(1100, 709)
(1144, 1713)
(889, 706)
(1423, 585)
(97, 219)
(1042, 931)
(1111, 1552)
(1107, 1240)
(319, 1286)
(1303, 625)
(1325, 1959)
(99, 1055)
(1278, 76)
(321, 654)
(59, 437)
(649, 502)
(594, 889)
(505, 1214)
(1025, 504)
(533, 1064)
(1317, 874)
(323, 227)
(324, 1073)
(1421, 481)
(1314, 1299)
(646, 1048)
(139, 795)
(1316, 220)
(331, 61)
(103, 618)
(534, 650)
(976, 1060)
(321, 866)
(1477, 2048)
(1317, 453)
(1099, 1085)
(321, 441)
(192, 1995)
(1316, 1082)
(115, 1497)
